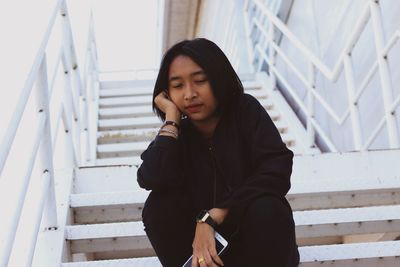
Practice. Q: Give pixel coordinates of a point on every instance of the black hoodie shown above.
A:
(244, 160)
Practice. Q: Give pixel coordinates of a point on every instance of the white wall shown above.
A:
(324, 26)
(219, 21)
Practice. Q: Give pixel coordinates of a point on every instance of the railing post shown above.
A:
(46, 147)
(384, 73)
(271, 54)
(310, 106)
(70, 67)
(353, 103)
(69, 114)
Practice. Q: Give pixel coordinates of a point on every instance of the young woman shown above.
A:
(218, 153)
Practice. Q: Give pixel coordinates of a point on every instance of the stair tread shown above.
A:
(135, 262)
(124, 111)
(105, 230)
(323, 186)
(141, 131)
(253, 89)
(120, 147)
(341, 215)
(113, 161)
(129, 121)
(350, 251)
(147, 99)
(309, 254)
(377, 213)
(334, 222)
(108, 198)
(115, 92)
(126, 100)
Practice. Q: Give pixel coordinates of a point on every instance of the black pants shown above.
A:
(266, 237)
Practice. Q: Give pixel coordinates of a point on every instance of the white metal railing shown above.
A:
(72, 111)
(266, 49)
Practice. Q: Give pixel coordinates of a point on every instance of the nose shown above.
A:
(189, 93)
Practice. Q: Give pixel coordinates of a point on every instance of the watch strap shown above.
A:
(204, 216)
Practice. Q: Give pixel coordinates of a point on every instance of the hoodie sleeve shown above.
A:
(271, 161)
(161, 167)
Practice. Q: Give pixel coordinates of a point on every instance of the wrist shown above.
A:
(173, 114)
(218, 215)
(204, 217)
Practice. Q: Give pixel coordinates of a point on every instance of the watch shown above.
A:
(205, 217)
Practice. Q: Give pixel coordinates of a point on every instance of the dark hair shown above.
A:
(223, 79)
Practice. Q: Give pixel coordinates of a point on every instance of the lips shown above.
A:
(193, 108)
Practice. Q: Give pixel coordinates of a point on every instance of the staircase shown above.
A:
(348, 215)
(346, 205)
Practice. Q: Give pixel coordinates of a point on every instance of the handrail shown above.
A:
(45, 135)
(24, 96)
(371, 10)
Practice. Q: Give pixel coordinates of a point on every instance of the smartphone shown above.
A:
(220, 244)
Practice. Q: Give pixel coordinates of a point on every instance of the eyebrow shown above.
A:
(200, 72)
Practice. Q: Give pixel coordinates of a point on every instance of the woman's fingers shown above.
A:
(195, 261)
(215, 257)
(163, 102)
(209, 261)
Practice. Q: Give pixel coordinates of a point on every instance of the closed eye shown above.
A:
(177, 85)
(201, 81)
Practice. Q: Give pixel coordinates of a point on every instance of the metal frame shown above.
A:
(268, 43)
(74, 118)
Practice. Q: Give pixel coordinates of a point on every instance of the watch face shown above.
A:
(203, 215)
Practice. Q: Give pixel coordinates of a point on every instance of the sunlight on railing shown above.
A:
(262, 21)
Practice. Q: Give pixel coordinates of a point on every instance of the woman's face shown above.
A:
(190, 89)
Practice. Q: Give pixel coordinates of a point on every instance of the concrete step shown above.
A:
(121, 82)
(123, 136)
(325, 196)
(343, 255)
(349, 221)
(133, 161)
(108, 207)
(122, 149)
(129, 123)
(142, 91)
(125, 101)
(109, 237)
(136, 148)
(127, 97)
(343, 193)
(135, 262)
(126, 112)
(147, 111)
(154, 122)
(355, 255)
(142, 100)
(120, 92)
(148, 134)
(250, 83)
(309, 224)
(97, 179)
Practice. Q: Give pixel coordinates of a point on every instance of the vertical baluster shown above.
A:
(354, 112)
(384, 72)
(69, 110)
(69, 69)
(271, 54)
(46, 147)
(310, 106)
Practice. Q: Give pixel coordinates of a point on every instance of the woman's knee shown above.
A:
(160, 207)
(268, 210)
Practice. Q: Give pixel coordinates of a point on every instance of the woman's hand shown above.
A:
(204, 247)
(163, 102)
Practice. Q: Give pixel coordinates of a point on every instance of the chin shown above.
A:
(196, 117)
